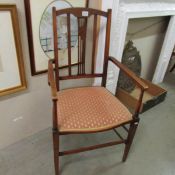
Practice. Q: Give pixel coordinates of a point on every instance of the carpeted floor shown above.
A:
(152, 153)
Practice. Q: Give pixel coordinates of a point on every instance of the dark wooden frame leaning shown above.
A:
(30, 39)
(54, 78)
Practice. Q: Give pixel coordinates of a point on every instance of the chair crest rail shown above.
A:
(81, 12)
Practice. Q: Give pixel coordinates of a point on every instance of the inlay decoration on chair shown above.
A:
(85, 110)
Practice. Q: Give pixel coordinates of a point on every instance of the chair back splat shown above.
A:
(73, 31)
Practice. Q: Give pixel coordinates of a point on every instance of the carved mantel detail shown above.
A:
(128, 11)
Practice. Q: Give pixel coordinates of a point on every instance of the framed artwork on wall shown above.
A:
(40, 34)
(12, 74)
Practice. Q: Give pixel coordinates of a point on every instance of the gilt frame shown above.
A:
(15, 54)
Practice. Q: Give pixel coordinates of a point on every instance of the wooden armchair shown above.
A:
(88, 109)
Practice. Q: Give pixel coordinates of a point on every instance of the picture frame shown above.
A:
(12, 74)
(37, 46)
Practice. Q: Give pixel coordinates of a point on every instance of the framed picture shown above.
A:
(40, 34)
(12, 75)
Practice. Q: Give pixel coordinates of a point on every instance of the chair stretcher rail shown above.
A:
(64, 153)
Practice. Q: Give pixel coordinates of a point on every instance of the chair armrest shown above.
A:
(137, 81)
(130, 74)
(51, 80)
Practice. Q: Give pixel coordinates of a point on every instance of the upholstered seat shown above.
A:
(89, 109)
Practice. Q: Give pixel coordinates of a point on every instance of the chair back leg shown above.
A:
(56, 152)
(131, 134)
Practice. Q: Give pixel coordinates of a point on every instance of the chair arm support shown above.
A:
(51, 80)
(137, 81)
(129, 73)
(52, 83)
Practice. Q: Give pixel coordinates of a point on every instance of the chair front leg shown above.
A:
(131, 134)
(56, 151)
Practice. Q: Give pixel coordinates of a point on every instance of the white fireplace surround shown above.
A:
(120, 21)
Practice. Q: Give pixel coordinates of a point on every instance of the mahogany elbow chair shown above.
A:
(88, 109)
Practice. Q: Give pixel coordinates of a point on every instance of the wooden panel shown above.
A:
(126, 98)
(56, 47)
(154, 89)
(82, 32)
(69, 42)
(82, 38)
(158, 95)
(84, 45)
(79, 53)
(94, 43)
(107, 45)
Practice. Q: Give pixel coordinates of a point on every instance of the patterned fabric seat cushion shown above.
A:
(89, 109)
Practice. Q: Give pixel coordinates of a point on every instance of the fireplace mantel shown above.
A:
(128, 11)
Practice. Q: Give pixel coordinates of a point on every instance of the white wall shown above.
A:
(148, 42)
(110, 4)
(33, 106)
